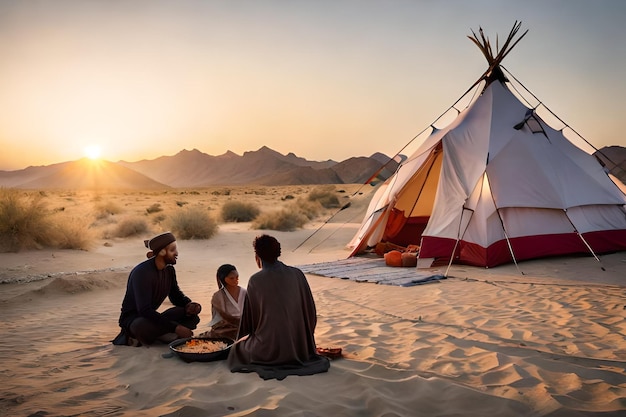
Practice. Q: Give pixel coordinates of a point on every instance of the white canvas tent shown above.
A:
(496, 185)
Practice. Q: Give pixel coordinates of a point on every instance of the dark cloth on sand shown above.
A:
(279, 315)
(146, 290)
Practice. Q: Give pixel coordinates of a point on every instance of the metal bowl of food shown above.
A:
(201, 349)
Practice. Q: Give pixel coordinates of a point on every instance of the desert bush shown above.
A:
(24, 221)
(325, 195)
(192, 223)
(237, 211)
(106, 209)
(221, 192)
(154, 208)
(131, 226)
(285, 220)
(74, 233)
(158, 218)
(311, 209)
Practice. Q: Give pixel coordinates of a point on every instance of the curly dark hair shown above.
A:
(267, 248)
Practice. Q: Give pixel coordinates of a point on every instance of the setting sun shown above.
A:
(92, 151)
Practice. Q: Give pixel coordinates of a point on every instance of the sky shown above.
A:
(324, 79)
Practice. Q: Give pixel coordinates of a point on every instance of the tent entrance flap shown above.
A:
(413, 205)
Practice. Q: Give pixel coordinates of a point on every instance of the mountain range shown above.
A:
(195, 169)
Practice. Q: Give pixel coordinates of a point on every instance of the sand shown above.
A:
(483, 342)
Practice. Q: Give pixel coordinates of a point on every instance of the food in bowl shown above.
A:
(201, 346)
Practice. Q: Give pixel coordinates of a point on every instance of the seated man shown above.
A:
(278, 320)
(148, 285)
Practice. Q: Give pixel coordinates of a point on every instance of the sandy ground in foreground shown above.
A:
(545, 340)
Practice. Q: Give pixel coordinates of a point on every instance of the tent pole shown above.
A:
(451, 258)
(459, 237)
(584, 240)
(506, 235)
(508, 243)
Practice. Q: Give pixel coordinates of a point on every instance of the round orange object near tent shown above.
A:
(393, 258)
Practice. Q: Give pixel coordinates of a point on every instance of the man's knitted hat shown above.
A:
(159, 242)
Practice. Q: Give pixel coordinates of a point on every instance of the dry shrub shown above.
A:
(325, 195)
(285, 220)
(154, 208)
(74, 233)
(221, 192)
(237, 211)
(311, 209)
(158, 218)
(192, 223)
(131, 226)
(299, 211)
(106, 209)
(24, 221)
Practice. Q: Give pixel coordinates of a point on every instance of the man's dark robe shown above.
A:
(146, 290)
(280, 317)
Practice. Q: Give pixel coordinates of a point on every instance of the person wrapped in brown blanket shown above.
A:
(278, 318)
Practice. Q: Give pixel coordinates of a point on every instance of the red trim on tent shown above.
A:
(527, 247)
(607, 240)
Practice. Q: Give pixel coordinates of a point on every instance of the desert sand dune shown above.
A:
(548, 342)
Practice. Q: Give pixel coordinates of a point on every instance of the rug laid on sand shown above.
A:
(364, 269)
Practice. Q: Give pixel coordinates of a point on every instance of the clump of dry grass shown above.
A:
(158, 218)
(23, 221)
(311, 209)
(285, 220)
(325, 195)
(131, 226)
(237, 211)
(154, 208)
(26, 223)
(192, 223)
(74, 233)
(107, 209)
(300, 211)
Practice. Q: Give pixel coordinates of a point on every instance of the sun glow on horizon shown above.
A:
(92, 152)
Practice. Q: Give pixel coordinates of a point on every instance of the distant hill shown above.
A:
(26, 175)
(263, 166)
(194, 169)
(614, 159)
(81, 174)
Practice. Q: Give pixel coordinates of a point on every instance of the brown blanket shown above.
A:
(279, 316)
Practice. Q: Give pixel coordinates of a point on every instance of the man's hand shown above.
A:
(183, 332)
(193, 309)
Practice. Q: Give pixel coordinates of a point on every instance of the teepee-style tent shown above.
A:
(496, 185)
